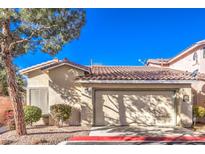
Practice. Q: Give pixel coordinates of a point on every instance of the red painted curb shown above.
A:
(138, 138)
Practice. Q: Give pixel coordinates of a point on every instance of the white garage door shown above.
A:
(153, 108)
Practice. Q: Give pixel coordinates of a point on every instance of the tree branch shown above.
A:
(30, 37)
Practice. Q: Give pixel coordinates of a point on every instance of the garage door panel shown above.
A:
(134, 107)
(107, 109)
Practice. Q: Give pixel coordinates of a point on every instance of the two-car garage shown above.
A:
(135, 107)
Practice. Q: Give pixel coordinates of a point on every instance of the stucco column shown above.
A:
(87, 98)
(185, 106)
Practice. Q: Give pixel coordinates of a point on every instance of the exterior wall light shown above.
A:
(185, 98)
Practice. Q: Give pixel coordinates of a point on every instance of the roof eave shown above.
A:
(80, 68)
(36, 67)
(194, 46)
(138, 81)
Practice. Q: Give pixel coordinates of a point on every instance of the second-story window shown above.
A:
(195, 57)
(203, 52)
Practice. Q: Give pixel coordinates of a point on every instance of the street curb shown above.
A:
(137, 139)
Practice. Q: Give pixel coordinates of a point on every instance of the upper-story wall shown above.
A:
(193, 58)
(202, 61)
(62, 76)
(37, 78)
(193, 61)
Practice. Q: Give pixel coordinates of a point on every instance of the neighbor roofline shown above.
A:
(187, 51)
(182, 54)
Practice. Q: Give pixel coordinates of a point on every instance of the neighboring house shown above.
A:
(5, 105)
(191, 60)
(113, 95)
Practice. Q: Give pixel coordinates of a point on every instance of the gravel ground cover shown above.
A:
(43, 135)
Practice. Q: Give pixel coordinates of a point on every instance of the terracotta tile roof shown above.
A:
(121, 72)
(137, 73)
(201, 76)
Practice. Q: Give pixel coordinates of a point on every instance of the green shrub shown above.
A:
(60, 112)
(199, 111)
(32, 114)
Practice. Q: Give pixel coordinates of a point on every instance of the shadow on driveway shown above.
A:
(142, 131)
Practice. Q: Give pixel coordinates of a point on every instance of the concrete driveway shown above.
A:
(130, 135)
(142, 131)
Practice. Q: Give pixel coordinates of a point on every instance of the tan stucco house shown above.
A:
(159, 94)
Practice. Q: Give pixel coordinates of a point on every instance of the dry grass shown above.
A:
(43, 135)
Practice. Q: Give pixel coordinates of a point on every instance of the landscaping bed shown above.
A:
(43, 135)
(199, 127)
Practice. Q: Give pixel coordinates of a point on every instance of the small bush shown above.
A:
(32, 114)
(9, 119)
(199, 111)
(5, 142)
(39, 141)
(60, 112)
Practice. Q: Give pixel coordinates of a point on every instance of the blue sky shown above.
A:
(122, 36)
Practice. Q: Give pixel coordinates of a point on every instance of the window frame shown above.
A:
(195, 56)
(38, 88)
(203, 54)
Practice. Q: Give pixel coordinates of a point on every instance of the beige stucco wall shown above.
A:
(62, 86)
(37, 79)
(199, 92)
(63, 89)
(184, 107)
(187, 63)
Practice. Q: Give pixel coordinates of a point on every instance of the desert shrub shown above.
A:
(35, 141)
(32, 114)
(199, 111)
(9, 120)
(5, 142)
(60, 113)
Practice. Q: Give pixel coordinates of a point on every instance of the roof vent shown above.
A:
(56, 60)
